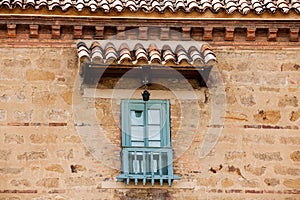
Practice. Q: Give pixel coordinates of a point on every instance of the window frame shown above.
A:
(164, 172)
(128, 104)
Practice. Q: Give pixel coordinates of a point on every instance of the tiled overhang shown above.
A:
(114, 58)
(176, 6)
(146, 52)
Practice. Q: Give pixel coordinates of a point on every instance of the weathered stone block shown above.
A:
(72, 139)
(210, 181)
(41, 138)
(67, 97)
(248, 100)
(269, 116)
(258, 171)
(39, 75)
(290, 140)
(295, 156)
(227, 183)
(232, 155)
(22, 116)
(52, 63)
(55, 168)
(250, 183)
(57, 114)
(272, 181)
(4, 154)
(43, 98)
(288, 101)
(3, 114)
(236, 116)
(258, 138)
(10, 170)
(80, 181)
(33, 155)
(283, 170)
(77, 168)
(20, 182)
(13, 138)
(290, 67)
(20, 96)
(48, 182)
(295, 115)
(268, 156)
(292, 183)
(66, 154)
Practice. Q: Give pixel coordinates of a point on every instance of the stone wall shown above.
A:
(45, 155)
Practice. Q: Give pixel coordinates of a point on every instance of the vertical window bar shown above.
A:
(126, 164)
(152, 168)
(146, 134)
(144, 168)
(136, 168)
(160, 168)
(170, 170)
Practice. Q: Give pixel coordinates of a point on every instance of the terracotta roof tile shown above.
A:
(145, 53)
(230, 6)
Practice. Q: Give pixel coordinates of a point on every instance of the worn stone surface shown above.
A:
(33, 155)
(39, 75)
(13, 138)
(284, 170)
(10, 170)
(269, 116)
(42, 138)
(3, 114)
(292, 183)
(80, 181)
(232, 155)
(288, 101)
(4, 154)
(272, 181)
(258, 171)
(295, 115)
(20, 182)
(55, 168)
(255, 156)
(227, 183)
(48, 182)
(269, 156)
(295, 156)
(43, 98)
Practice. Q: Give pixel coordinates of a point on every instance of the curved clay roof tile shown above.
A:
(95, 53)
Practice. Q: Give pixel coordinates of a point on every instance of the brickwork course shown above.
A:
(46, 112)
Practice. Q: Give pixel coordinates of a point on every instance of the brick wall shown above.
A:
(44, 156)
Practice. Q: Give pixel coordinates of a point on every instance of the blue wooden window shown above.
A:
(146, 146)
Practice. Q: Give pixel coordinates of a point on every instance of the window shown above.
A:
(146, 146)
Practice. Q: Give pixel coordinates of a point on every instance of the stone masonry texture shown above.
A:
(256, 156)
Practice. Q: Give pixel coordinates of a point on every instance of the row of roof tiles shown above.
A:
(230, 6)
(109, 54)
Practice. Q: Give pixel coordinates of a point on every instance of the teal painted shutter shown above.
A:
(147, 122)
